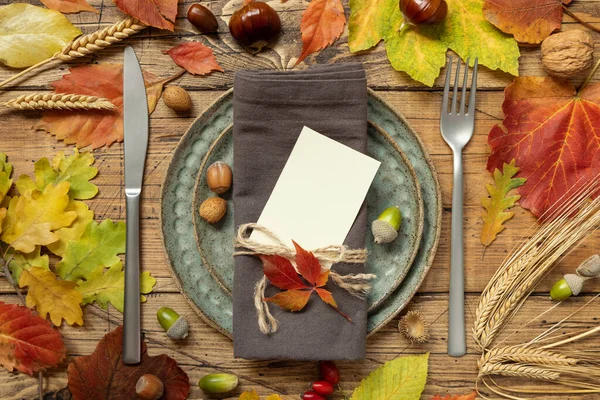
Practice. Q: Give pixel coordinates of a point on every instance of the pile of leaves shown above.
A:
(48, 216)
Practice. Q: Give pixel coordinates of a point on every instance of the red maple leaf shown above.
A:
(471, 396)
(195, 58)
(281, 273)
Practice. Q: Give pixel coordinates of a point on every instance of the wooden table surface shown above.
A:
(206, 350)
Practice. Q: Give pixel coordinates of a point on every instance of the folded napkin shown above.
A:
(270, 110)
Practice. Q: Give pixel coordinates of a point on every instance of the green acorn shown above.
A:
(218, 383)
(175, 325)
(570, 285)
(385, 228)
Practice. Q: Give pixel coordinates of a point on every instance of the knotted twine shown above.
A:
(355, 284)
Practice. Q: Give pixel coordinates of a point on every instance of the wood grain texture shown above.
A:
(206, 350)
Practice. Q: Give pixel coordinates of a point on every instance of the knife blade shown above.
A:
(135, 126)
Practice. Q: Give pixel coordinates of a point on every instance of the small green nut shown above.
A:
(218, 383)
(385, 228)
(570, 285)
(175, 325)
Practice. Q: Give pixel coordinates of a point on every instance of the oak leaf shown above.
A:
(51, 296)
(33, 217)
(322, 23)
(158, 13)
(281, 273)
(553, 133)
(471, 396)
(195, 58)
(108, 286)
(529, 21)
(69, 6)
(75, 230)
(25, 261)
(28, 343)
(30, 34)
(499, 201)
(100, 244)
(103, 375)
(92, 128)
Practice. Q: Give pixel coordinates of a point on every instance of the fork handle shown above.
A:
(457, 346)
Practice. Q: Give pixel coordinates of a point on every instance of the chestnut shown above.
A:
(423, 11)
(255, 25)
(202, 18)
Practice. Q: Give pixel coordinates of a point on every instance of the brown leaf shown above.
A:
(69, 6)
(102, 375)
(322, 23)
(158, 13)
(195, 57)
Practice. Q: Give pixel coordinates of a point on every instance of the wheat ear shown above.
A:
(524, 355)
(57, 101)
(88, 44)
(516, 370)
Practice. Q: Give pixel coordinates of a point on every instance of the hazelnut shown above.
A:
(218, 177)
(566, 54)
(149, 387)
(177, 99)
(213, 209)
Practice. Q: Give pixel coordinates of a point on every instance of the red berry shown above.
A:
(310, 395)
(323, 387)
(329, 372)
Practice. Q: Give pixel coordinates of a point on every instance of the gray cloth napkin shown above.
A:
(270, 110)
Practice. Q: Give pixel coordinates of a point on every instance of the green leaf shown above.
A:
(75, 230)
(25, 261)
(108, 286)
(30, 34)
(100, 244)
(400, 379)
(368, 23)
(5, 172)
(499, 201)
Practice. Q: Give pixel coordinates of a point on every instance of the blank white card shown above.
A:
(318, 194)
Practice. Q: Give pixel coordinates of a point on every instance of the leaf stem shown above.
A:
(578, 19)
(12, 78)
(589, 78)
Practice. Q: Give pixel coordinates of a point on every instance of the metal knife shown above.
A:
(135, 121)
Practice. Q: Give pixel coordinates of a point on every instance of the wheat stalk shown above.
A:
(517, 370)
(524, 355)
(57, 101)
(87, 44)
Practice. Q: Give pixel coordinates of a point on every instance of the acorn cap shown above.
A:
(179, 329)
(590, 268)
(575, 282)
(414, 327)
(383, 232)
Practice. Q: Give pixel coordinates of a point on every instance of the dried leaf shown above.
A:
(274, 397)
(281, 272)
(25, 261)
(5, 173)
(75, 230)
(401, 379)
(103, 375)
(307, 264)
(30, 34)
(50, 296)
(158, 13)
(100, 244)
(109, 287)
(471, 396)
(91, 128)
(293, 300)
(530, 21)
(33, 217)
(195, 57)
(69, 6)
(322, 23)
(498, 202)
(249, 396)
(553, 134)
(27, 342)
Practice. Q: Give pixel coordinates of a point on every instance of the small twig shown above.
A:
(41, 385)
(589, 77)
(578, 19)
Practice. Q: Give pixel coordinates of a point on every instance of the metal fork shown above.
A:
(457, 129)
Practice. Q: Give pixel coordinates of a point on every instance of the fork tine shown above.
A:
(473, 89)
(447, 86)
(463, 96)
(456, 80)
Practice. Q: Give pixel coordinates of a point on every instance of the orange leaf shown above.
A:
(28, 342)
(327, 297)
(553, 133)
(91, 128)
(307, 264)
(158, 13)
(322, 23)
(281, 272)
(195, 57)
(69, 6)
(471, 396)
(293, 300)
(322, 279)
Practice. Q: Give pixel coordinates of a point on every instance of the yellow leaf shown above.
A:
(51, 296)
(25, 261)
(5, 172)
(33, 217)
(249, 396)
(498, 202)
(75, 230)
(30, 34)
(274, 397)
(368, 22)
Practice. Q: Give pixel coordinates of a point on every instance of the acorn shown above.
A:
(218, 383)
(570, 285)
(175, 325)
(219, 177)
(149, 387)
(385, 228)
(590, 268)
(414, 327)
(213, 209)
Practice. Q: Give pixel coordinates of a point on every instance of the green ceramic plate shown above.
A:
(210, 298)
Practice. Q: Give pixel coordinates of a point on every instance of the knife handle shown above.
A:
(131, 327)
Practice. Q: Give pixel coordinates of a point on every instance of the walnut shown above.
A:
(566, 54)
